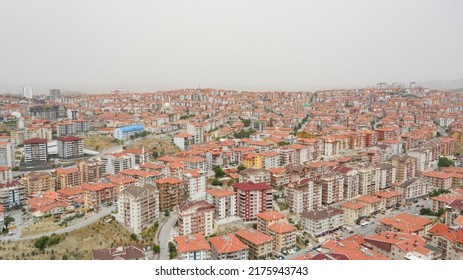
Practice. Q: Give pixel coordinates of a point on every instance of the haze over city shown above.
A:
(96, 46)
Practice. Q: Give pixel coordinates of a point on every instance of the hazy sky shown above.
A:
(96, 45)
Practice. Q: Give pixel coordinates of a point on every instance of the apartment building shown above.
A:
(171, 192)
(252, 198)
(197, 130)
(398, 245)
(413, 188)
(224, 201)
(65, 129)
(36, 183)
(193, 247)
(35, 151)
(284, 236)
(70, 147)
(267, 218)
(97, 194)
(304, 195)
(406, 223)
(270, 159)
(373, 204)
(255, 176)
(389, 199)
(260, 245)
(196, 217)
(183, 141)
(6, 154)
(12, 194)
(332, 188)
(70, 196)
(368, 180)
(67, 177)
(278, 177)
(91, 170)
(353, 211)
(439, 180)
(117, 162)
(406, 167)
(195, 183)
(322, 221)
(5, 174)
(228, 247)
(351, 181)
(138, 207)
(447, 239)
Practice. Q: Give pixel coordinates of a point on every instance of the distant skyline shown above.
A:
(142, 45)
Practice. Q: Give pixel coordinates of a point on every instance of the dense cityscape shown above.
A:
(372, 173)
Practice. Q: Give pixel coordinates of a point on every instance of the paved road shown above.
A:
(103, 212)
(165, 236)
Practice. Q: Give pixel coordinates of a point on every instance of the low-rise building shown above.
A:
(260, 245)
(124, 133)
(284, 236)
(413, 188)
(406, 223)
(353, 212)
(322, 221)
(193, 247)
(228, 247)
(389, 199)
(373, 204)
(98, 194)
(397, 245)
(447, 239)
(267, 218)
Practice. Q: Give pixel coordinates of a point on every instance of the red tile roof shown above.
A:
(227, 244)
(191, 243)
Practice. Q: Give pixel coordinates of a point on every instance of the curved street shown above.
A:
(165, 236)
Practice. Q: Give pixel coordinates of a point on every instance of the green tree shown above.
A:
(64, 257)
(134, 237)
(444, 162)
(216, 182)
(283, 143)
(219, 173)
(156, 249)
(172, 250)
(167, 213)
(41, 242)
(241, 167)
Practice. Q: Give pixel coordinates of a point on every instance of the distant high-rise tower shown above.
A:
(54, 93)
(412, 84)
(27, 92)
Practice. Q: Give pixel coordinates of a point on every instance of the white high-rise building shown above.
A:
(27, 92)
(138, 207)
(6, 154)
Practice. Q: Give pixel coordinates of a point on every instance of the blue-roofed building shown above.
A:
(124, 133)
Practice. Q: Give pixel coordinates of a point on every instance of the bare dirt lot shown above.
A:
(76, 245)
(99, 143)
